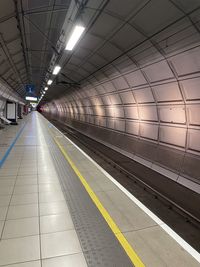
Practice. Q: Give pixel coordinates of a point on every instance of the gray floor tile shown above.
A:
(3, 211)
(53, 208)
(75, 260)
(25, 181)
(28, 161)
(60, 243)
(4, 200)
(46, 172)
(49, 180)
(26, 171)
(19, 250)
(29, 165)
(22, 199)
(55, 223)
(46, 168)
(8, 177)
(6, 190)
(10, 165)
(22, 211)
(25, 189)
(21, 228)
(48, 176)
(28, 168)
(51, 196)
(27, 177)
(7, 182)
(8, 172)
(49, 187)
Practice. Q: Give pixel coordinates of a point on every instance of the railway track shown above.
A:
(172, 202)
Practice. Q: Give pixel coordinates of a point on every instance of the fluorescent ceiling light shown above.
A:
(46, 88)
(31, 98)
(56, 70)
(75, 36)
(49, 82)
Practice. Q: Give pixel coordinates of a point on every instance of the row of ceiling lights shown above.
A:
(74, 37)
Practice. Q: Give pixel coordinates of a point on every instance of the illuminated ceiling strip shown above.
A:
(56, 70)
(75, 36)
(31, 98)
(49, 82)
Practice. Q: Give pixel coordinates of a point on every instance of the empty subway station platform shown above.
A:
(60, 208)
(99, 133)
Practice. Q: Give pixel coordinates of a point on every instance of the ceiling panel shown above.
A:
(156, 16)
(135, 78)
(127, 97)
(158, 71)
(128, 33)
(187, 62)
(125, 9)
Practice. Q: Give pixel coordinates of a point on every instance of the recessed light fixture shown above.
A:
(56, 70)
(75, 36)
(49, 82)
(46, 88)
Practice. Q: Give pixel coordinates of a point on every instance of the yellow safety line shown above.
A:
(115, 229)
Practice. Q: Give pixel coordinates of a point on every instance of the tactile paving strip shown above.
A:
(99, 244)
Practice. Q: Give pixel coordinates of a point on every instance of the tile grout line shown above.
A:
(48, 258)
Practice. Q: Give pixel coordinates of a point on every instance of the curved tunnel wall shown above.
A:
(145, 103)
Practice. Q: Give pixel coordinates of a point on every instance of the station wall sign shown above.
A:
(30, 89)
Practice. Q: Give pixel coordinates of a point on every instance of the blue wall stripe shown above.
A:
(11, 146)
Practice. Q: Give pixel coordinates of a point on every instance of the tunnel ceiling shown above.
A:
(139, 80)
(30, 30)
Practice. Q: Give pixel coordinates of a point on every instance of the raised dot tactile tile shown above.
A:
(99, 244)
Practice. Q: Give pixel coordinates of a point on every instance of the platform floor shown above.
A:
(45, 212)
